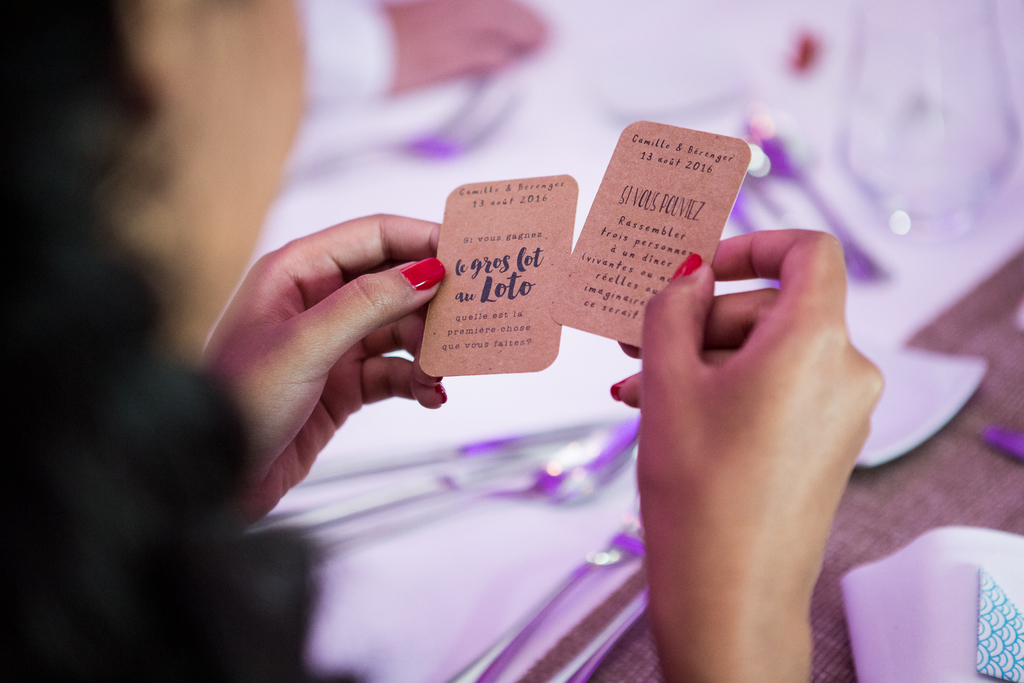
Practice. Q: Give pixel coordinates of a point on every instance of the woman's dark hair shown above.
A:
(120, 558)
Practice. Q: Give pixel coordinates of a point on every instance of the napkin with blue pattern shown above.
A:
(1000, 632)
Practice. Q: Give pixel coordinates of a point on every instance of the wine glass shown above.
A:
(930, 132)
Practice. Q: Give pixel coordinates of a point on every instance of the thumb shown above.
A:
(675, 319)
(363, 305)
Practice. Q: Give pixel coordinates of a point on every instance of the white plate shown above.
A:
(923, 391)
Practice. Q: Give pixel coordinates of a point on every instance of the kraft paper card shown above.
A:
(503, 245)
(667, 193)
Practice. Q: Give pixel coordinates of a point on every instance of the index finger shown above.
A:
(362, 244)
(808, 264)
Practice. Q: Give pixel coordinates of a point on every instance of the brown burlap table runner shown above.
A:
(953, 478)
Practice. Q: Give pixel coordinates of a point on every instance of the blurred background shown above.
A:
(894, 125)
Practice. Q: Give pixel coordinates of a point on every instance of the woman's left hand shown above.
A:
(301, 344)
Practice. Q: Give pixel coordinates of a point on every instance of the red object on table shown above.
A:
(806, 53)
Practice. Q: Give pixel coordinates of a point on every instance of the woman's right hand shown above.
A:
(744, 454)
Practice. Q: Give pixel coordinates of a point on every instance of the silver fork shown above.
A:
(625, 545)
(370, 516)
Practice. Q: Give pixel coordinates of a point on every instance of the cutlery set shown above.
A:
(361, 505)
(560, 467)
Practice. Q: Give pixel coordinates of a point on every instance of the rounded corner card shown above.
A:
(503, 245)
(667, 193)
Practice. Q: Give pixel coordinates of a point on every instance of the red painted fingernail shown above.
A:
(616, 388)
(441, 392)
(425, 274)
(691, 264)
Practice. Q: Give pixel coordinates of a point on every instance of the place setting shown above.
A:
(515, 341)
(509, 525)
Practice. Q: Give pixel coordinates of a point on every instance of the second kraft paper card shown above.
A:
(503, 245)
(667, 193)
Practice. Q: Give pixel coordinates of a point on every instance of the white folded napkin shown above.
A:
(914, 616)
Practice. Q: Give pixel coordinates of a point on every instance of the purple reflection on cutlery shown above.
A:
(1006, 440)
(860, 266)
(363, 516)
(784, 164)
(434, 147)
(505, 448)
(560, 484)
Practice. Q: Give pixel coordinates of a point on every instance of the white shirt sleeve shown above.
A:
(350, 52)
